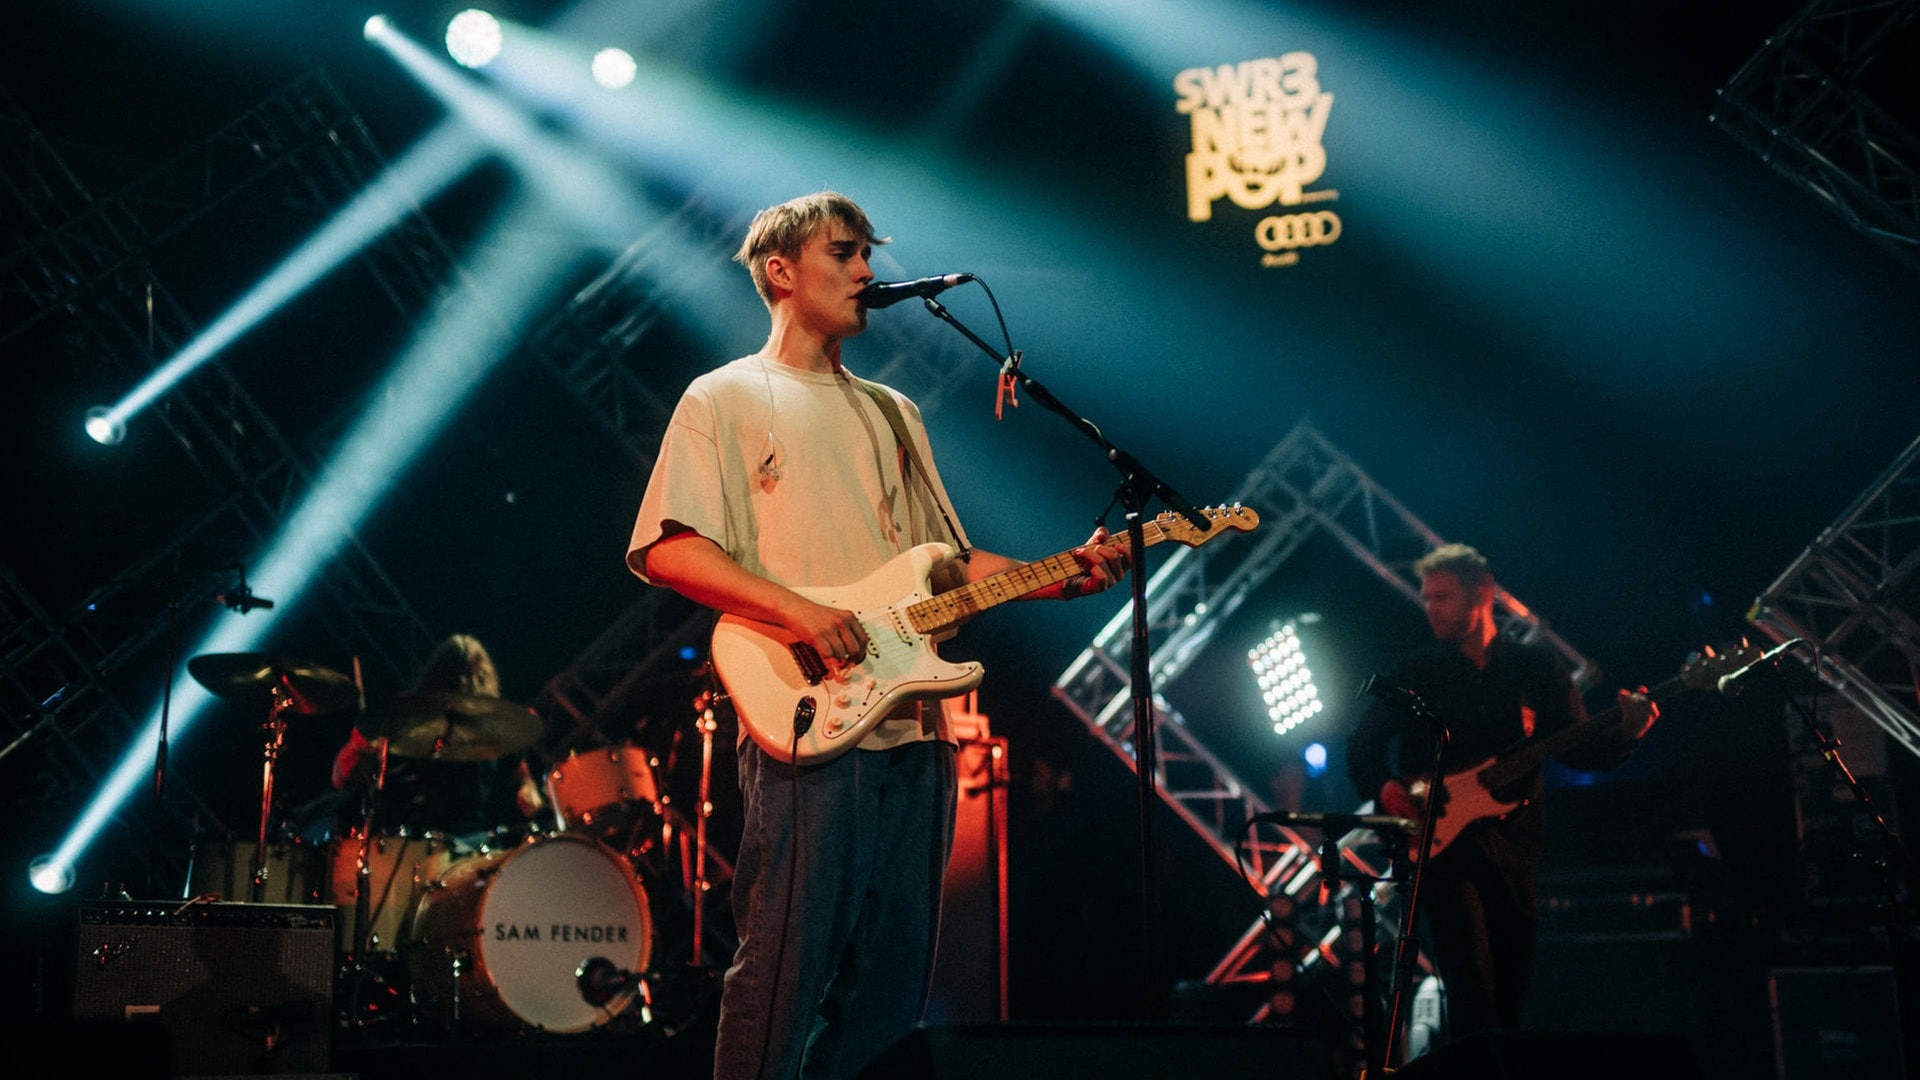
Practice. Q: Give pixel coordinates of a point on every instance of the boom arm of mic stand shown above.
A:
(1138, 479)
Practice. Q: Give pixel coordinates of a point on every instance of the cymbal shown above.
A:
(451, 727)
(251, 678)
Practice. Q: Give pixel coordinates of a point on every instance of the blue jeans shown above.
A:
(836, 898)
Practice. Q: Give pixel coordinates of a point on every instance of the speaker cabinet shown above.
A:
(1836, 1022)
(237, 989)
(1108, 1051)
(1534, 1055)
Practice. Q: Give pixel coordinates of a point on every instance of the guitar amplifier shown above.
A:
(237, 989)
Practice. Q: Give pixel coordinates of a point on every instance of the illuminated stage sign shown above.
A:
(1257, 128)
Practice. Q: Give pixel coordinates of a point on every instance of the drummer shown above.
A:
(463, 799)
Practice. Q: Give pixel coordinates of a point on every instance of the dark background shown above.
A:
(1568, 321)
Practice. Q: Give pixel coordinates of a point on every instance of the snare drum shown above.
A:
(500, 937)
(399, 869)
(603, 790)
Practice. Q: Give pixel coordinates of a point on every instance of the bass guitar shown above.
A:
(1473, 795)
(801, 709)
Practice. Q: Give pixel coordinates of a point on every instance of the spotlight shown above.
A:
(473, 38)
(50, 875)
(1286, 684)
(375, 26)
(104, 427)
(613, 68)
(1315, 755)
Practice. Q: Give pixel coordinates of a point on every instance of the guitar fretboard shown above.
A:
(949, 608)
(1511, 768)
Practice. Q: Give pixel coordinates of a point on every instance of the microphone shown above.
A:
(1339, 823)
(1726, 681)
(242, 600)
(1387, 690)
(600, 980)
(879, 294)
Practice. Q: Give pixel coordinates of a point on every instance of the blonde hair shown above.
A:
(460, 665)
(1459, 560)
(784, 229)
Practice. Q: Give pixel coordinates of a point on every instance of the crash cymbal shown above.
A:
(451, 727)
(251, 678)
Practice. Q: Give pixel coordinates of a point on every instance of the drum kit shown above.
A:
(552, 930)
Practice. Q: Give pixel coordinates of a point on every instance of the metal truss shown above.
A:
(588, 346)
(1307, 942)
(1304, 485)
(1854, 594)
(87, 260)
(65, 249)
(1799, 103)
(600, 682)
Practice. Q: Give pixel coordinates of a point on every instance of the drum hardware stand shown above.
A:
(276, 729)
(458, 959)
(706, 725)
(357, 973)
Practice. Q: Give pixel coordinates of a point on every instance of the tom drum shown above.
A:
(604, 790)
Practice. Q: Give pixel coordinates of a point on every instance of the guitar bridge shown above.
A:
(812, 668)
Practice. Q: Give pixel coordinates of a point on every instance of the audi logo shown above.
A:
(1290, 231)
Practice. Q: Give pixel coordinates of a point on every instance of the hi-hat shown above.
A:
(253, 678)
(451, 727)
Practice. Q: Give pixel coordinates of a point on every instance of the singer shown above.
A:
(783, 470)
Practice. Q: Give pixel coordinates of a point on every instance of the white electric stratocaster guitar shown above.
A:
(1470, 796)
(801, 709)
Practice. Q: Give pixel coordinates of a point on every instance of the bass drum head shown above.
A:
(523, 922)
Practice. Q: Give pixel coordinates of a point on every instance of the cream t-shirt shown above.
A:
(797, 476)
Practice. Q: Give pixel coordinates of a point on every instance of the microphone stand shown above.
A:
(1380, 1055)
(1333, 828)
(1137, 486)
(1893, 865)
(154, 857)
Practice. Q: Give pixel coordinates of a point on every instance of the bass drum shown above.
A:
(500, 937)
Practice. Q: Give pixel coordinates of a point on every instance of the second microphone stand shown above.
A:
(1381, 1051)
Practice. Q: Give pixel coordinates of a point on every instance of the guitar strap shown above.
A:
(891, 410)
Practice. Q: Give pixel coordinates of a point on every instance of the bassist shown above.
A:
(1492, 692)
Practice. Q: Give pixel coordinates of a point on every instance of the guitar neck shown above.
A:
(1536, 751)
(956, 605)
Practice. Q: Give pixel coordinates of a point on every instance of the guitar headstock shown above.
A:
(1703, 669)
(1176, 527)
